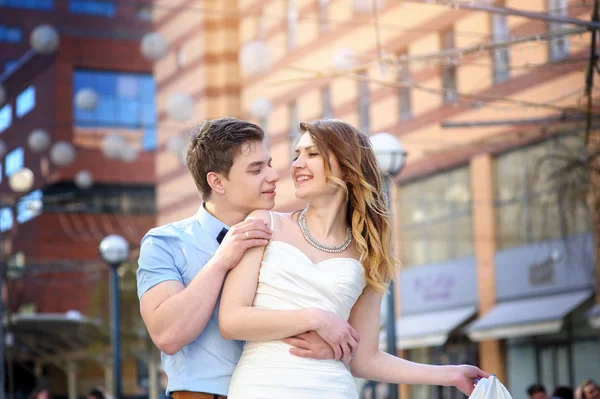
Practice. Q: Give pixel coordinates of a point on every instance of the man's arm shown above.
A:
(238, 319)
(176, 315)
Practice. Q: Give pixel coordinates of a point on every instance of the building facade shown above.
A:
(490, 245)
(50, 235)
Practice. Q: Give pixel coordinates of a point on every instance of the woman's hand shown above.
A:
(463, 377)
(337, 332)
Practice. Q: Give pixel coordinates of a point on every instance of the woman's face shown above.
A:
(308, 170)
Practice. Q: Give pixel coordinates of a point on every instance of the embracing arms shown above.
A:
(239, 320)
(372, 364)
(174, 314)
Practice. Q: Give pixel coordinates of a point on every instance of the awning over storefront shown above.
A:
(531, 316)
(593, 316)
(430, 329)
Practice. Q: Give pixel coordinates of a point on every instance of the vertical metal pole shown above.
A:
(2, 263)
(115, 327)
(391, 310)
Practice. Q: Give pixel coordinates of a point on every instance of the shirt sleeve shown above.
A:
(156, 264)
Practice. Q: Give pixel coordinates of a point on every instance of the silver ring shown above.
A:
(247, 236)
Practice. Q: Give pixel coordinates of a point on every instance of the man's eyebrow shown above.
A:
(258, 163)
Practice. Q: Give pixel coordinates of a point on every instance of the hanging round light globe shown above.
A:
(180, 107)
(86, 99)
(84, 179)
(21, 181)
(3, 149)
(2, 95)
(389, 152)
(62, 153)
(255, 58)
(38, 140)
(343, 58)
(112, 145)
(364, 6)
(44, 39)
(177, 144)
(129, 154)
(154, 46)
(261, 107)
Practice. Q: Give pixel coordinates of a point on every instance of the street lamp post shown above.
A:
(114, 250)
(391, 158)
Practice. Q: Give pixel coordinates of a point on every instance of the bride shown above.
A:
(325, 266)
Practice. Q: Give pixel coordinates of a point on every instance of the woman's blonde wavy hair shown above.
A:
(368, 213)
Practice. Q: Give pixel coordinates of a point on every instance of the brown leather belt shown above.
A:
(194, 395)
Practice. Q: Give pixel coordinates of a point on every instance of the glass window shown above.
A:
(404, 93)
(5, 117)
(15, 160)
(10, 66)
(179, 58)
(364, 120)
(93, 7)
(501, 55)
(437, 222)
(29, 206)
(531, 205)
(6, 219)
(293, 133)
(326, 102)
(11, 34)
(558, 46)
(292, 20)
(25, 101)
(323, 15)
(449, 71)
(125, 100)
(143, 12)
(28, 4)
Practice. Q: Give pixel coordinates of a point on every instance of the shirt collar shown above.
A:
(209, 223)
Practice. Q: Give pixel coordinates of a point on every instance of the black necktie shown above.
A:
(222, 235)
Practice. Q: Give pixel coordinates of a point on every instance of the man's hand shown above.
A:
(311, 345)
(247, 234)
(338, 334)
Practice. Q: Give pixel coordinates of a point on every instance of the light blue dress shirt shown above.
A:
(177, 251)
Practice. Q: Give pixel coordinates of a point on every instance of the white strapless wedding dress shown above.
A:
(289, 280)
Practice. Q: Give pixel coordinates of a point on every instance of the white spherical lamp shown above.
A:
(2, 95)
(255, 58)
(38, 140)
(86, 99)
(364, 6)
(21, 181)
(44, 39)
(343, 58)
(261, 107)
(62, 153)
(84, 179)
(180, 107)
(112, 145)
(389, 152)
(177, 144)
(114, 250)
(129, 154)
(154, 46)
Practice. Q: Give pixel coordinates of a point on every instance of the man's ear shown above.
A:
(215, 181)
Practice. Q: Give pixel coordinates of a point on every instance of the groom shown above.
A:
(182, 265)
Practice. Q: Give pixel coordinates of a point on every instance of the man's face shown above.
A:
(539, 395)
(251, 181)
(590, 391)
